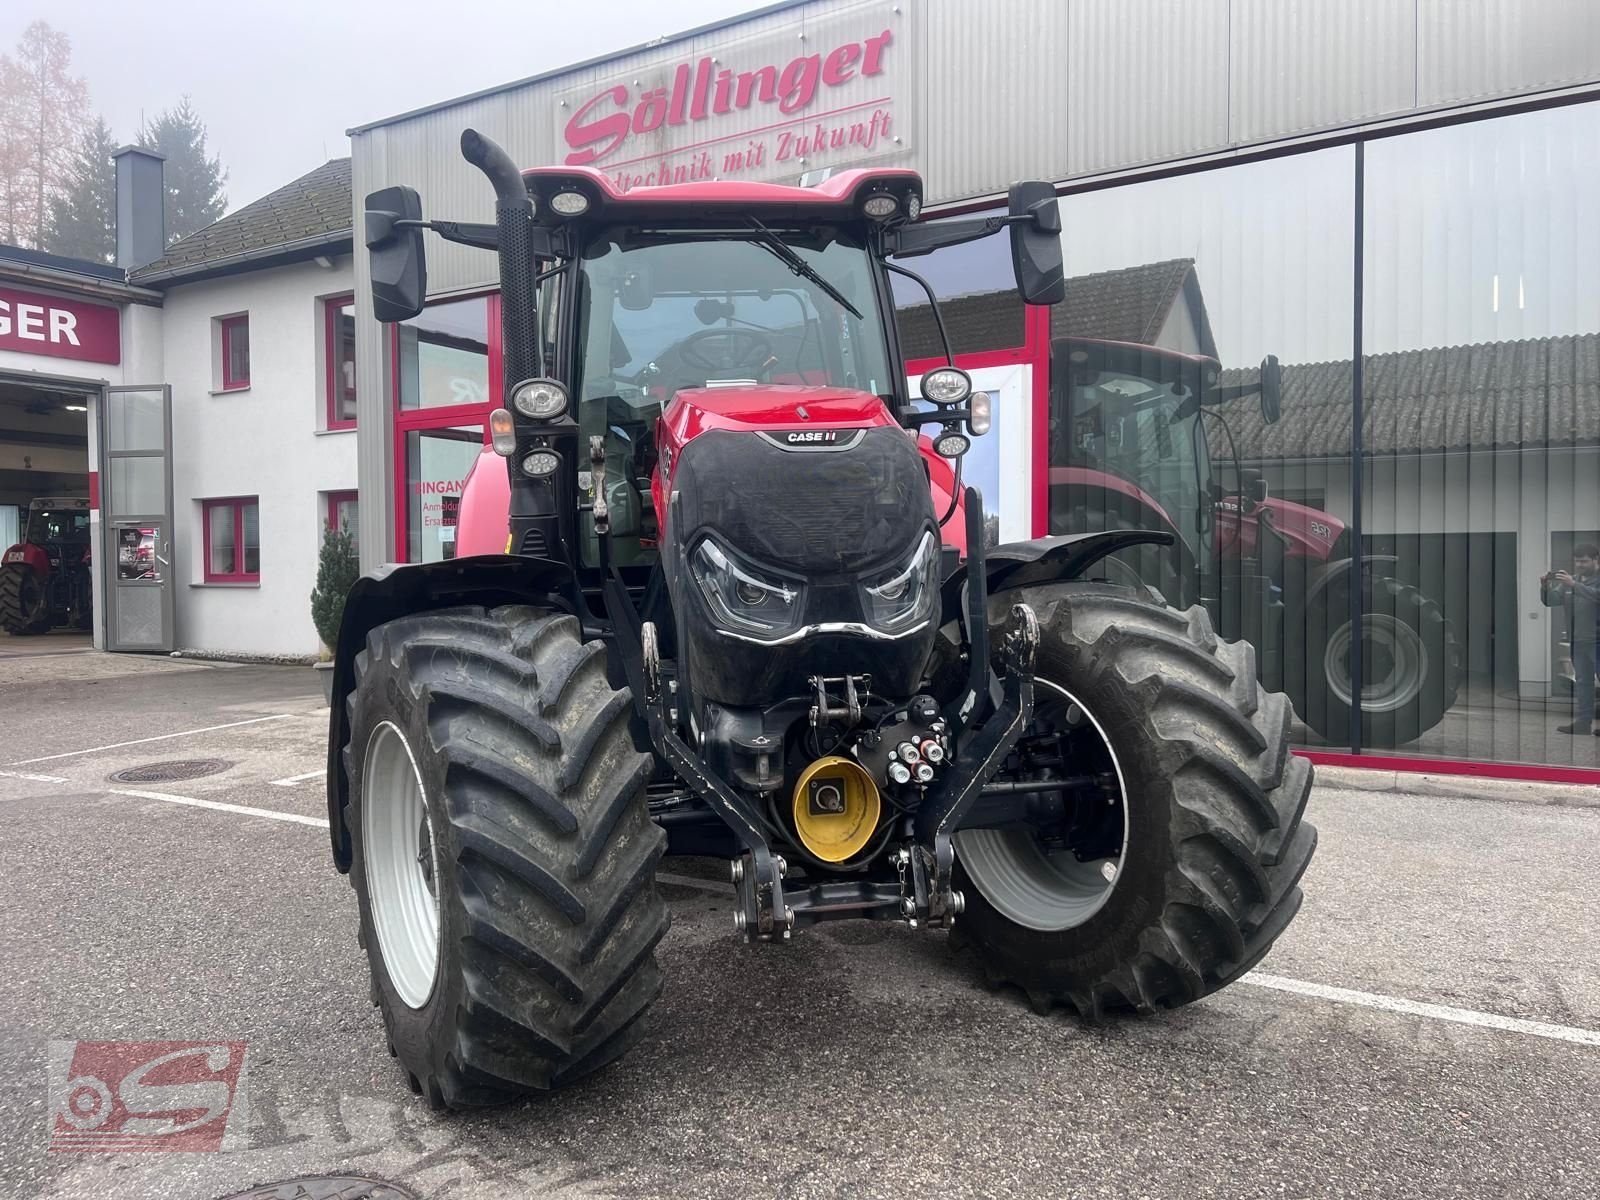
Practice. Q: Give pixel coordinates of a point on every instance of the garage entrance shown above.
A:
(47, 584)
(85, 512)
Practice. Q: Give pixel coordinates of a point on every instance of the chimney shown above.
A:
(141, 203)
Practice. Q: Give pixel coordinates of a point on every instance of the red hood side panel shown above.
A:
(484, 522)
(1311, 533)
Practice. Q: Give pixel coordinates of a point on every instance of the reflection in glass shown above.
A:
(443, 355)
(342, 348)
(1195, 306)
(221, 543)
(1481, 377)
(437, 462)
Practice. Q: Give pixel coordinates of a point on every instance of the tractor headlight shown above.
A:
(946, 385)
(744, 600)
(541, 399)
(905, 595)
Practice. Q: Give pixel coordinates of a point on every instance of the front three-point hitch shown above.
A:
(967, 741)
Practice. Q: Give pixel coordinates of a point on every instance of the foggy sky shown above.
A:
(277, 85)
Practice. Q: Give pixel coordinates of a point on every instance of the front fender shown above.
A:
(399, 590)
(1059, 558)
(28, 555)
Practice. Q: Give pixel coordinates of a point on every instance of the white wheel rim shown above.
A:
(1402, 648)
(1036, 889)
(400, 861)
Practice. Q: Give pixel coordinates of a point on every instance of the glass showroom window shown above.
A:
(339, 352)
(446, 368)
(977, 297)
(232, 535)
(1186, 298)
(1481, 431)
(235, 334)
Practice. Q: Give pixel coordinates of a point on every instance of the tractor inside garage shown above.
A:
(47, 568)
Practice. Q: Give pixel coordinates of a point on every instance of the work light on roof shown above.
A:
(881, 206)
(946, 385)
(570, 204)
(914, 206)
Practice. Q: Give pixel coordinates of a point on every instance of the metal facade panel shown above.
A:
(1318, 64)
(1147, 80)
(993, 91)
(1475, 51)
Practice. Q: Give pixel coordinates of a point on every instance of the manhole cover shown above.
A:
(325, 1187)
(171, 772)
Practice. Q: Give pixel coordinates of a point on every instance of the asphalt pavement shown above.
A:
(1429, 1026)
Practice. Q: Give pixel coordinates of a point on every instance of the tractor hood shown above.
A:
(770, 407)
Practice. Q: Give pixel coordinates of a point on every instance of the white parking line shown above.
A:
(319, 773)
(219, 806)
(33, 777)
(1280, 983)
(160, 737)
(1433, 1012)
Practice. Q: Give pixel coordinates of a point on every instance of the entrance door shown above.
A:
(136, 518)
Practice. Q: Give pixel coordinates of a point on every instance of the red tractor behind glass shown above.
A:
(1132, 431)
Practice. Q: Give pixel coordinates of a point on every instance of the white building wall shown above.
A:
(267, 441)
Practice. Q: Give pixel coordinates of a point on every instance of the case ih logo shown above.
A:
(758, 113)
(144, 1096)
(811, 437)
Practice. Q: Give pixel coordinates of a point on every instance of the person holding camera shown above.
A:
(1578, 591)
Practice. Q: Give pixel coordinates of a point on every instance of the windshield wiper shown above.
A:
(785, 254)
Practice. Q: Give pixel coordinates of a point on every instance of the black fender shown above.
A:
(1326, 575)
(1059, 558)
(399, 590)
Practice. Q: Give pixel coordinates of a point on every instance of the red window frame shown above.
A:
(407, 420)
(331, 349)
(234, 506)
(230, 381)
(334, 500)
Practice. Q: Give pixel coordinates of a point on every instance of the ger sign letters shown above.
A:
(54, 327)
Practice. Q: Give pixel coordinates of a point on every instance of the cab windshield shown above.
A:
(664, 311)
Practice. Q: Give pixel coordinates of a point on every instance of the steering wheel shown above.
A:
(728, 349)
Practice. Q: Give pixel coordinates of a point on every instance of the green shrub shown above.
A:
(338, 567)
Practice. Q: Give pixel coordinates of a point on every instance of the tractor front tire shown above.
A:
(1213, 845)
(23, 609)
(502, 854)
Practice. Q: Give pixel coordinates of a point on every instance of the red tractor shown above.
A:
(1131, 430)
(45, 579)
(719, 619)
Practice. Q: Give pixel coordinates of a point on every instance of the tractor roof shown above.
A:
(838, 198)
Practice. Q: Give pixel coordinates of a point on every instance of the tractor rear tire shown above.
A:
(490, 758)
(1413, 677)
(23, 609)
(1212, 846)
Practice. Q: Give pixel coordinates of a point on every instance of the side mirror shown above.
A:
(399, 272)
(1271, 390)
(1036, 243)
(1255, 485)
